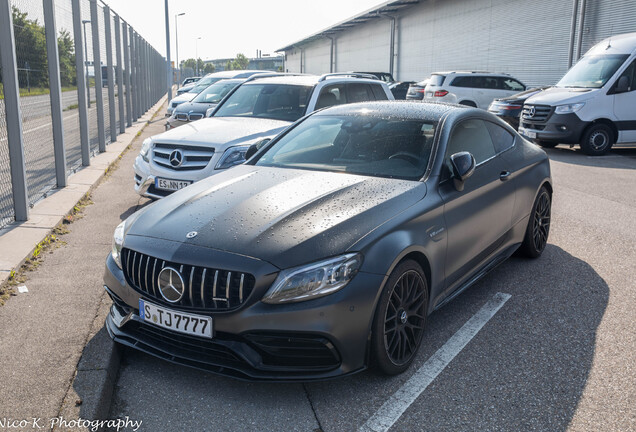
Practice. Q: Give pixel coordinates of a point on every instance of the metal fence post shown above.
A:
(55, 84)
(127, 67)
(13, 113)
(133, 74)
(80, 71)
(110, 75)
(97, 67)
(120, 75)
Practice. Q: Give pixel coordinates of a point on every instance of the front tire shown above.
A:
(536, 237)
(597, 140)
(400, 319)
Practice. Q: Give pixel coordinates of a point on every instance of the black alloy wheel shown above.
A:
(400, 318)
(536, 237)
(597, 140)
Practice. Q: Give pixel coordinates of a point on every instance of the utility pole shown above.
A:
(176, 37)
(168, 65)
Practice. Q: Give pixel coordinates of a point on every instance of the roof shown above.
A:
(411, 110)
(377, 12)
(308, 80)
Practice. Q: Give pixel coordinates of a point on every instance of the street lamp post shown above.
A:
(88, 86)
(196, 47)
(176, 37)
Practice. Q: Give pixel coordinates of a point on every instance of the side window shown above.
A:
(462, 81)
(357, 92)
(511, 84)
(630, 73)
(331, 95)
(491, 83)
(471, 136)
(501, 138)
(378, 92)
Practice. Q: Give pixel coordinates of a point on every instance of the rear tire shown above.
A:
(400, 319)
(547, 144)
(597, 140)
(536, 237)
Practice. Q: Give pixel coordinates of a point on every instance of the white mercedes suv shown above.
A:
(257, 110)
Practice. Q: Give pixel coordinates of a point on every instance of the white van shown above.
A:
(594, 104)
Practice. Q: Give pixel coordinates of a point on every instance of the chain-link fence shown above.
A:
(78, 75)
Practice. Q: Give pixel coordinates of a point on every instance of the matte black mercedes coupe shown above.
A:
(328, 249)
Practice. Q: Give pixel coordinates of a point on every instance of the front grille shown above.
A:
(182, 117)
(194, 158)
(195, 116)
(541, 113)
(207, 289)
(533, 126)
(295, 351)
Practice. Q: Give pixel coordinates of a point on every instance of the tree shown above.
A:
(30, 47)
(208, 68)
(66, 52)
(192, 64)
(239, 63)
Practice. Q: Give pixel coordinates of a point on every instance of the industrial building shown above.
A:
(533, 40)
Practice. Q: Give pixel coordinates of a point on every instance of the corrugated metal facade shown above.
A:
(528, 39)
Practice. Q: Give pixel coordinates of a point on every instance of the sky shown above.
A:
(227, 28)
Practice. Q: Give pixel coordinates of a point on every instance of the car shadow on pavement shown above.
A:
(143, 202)
(619, 157)
(525, 370)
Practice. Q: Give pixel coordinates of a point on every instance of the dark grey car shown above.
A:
(328, 249)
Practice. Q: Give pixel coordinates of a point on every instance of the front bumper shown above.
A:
(559, 128)
(147, 172)
(311, 340)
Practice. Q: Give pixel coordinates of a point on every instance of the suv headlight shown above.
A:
(313, 280)
(145, 149)
(118, 241)
(232, 156)
(569, 108)
(209, 111)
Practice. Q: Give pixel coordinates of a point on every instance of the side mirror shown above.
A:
(622, 85)
(251, 151)
(463, 164)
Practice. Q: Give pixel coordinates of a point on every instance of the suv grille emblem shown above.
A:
(176, 158)
(532, 111)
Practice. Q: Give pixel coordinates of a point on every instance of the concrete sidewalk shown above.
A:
(47, 369)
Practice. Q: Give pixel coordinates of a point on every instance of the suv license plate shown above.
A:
(171, 185)
(527, 133)
(187, 323)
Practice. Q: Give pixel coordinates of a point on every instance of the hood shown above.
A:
(521, 97)
(561, 95)
(286, 217)
(185, 97)
(221, 132)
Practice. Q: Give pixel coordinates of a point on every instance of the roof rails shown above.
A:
(272, 74)
(349, 74)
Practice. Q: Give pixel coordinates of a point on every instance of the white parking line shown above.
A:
(393, 408)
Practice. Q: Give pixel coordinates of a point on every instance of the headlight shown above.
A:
(209, 111)
(569, 108)
(118, 241)
(145, 149)
(232, 156)
(313, 280)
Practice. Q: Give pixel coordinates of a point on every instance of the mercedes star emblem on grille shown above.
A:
(532, 111)
(176, 158)
(191, 234)
(171, 284)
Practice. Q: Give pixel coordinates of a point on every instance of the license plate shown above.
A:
(171, 185)
(527, 133)
(187, 323)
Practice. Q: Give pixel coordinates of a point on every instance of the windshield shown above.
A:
(592, 71)
(273, 101)
(215, 92)
(203, 83)
(372, 146)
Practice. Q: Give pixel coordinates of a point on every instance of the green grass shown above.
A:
(35, 91)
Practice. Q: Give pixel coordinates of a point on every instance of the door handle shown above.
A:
(503, 176)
